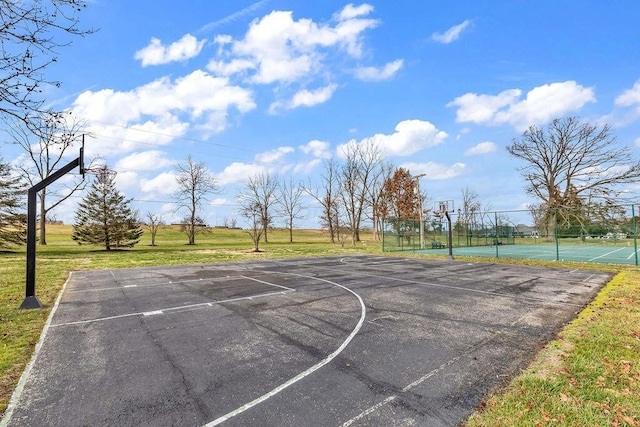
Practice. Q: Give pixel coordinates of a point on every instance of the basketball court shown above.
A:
(330, 341)
(604, 254)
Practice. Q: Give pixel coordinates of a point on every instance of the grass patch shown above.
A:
(589, 376)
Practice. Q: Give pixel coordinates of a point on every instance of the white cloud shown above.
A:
(194, 93)
(272, 161)
(303, 98)
(629, 97)
(319, 149)
(463, 131)
(273, 156)
(350, 11)
(219, 201)
(127, 180)
(306, 167)
(235, 66)
(308, 98)
(482, 148)
(410, 136)
(284, 50)
(372, 74)
(144, 161)
(234, 16)
(435, 171)
(541, 105)
(451, 34)
(156, 53)
(164, 183)
(200, 98)
(239, 173)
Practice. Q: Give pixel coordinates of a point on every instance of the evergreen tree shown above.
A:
(13, 220)
(104, 217)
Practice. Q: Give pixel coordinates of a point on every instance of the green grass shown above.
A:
(589, 376)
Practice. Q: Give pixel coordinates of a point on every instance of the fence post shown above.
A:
(555, 232)
(635, 233)
(495, 240)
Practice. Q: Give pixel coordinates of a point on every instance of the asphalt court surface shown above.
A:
(329, 341)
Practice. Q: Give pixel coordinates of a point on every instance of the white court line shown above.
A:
(478, 291)
(309, 371)
(170, 282)
(15, 397)
(608, 253)
(266, 283)
(170, 309)
(633, 253)
(428, 375)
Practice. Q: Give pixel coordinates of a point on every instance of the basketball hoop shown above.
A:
(99, 171)
(442, 209)
(443, 206)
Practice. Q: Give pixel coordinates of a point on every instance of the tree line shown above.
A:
(570, 166)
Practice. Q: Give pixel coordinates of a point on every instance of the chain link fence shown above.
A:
(590, 234)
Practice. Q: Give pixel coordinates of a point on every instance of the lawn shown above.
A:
(589, 376)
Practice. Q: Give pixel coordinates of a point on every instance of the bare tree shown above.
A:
(572, 162)
(290, 203)
(383, 173)
(31, 32)
(48, 139)
(154, 221)
(327, 195)
(470, 206)
(357, 175)
(195, 184)
(261, 191)
(252, 212)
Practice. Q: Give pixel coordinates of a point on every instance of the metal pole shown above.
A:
(555, 232)
(495, 215)
(420, 201)
(30, 300)
(635, 233)
(446, 213)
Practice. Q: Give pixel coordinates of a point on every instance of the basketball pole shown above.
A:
(446, 213)
(30, 300)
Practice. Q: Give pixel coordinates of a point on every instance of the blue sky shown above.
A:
(279, 85)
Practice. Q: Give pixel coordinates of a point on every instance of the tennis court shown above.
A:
(606, 254)
(330, 341)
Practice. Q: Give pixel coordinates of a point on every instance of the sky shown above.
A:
(278, 86)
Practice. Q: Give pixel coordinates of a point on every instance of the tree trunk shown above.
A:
(264, 230)
(290, 230)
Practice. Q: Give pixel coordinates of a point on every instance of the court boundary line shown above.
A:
(308, 371)
(460, 288)
(17, 393)
(175, 282)
(170, 310)
(431, 373)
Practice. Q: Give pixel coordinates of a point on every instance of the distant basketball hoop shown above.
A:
(443, 206)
